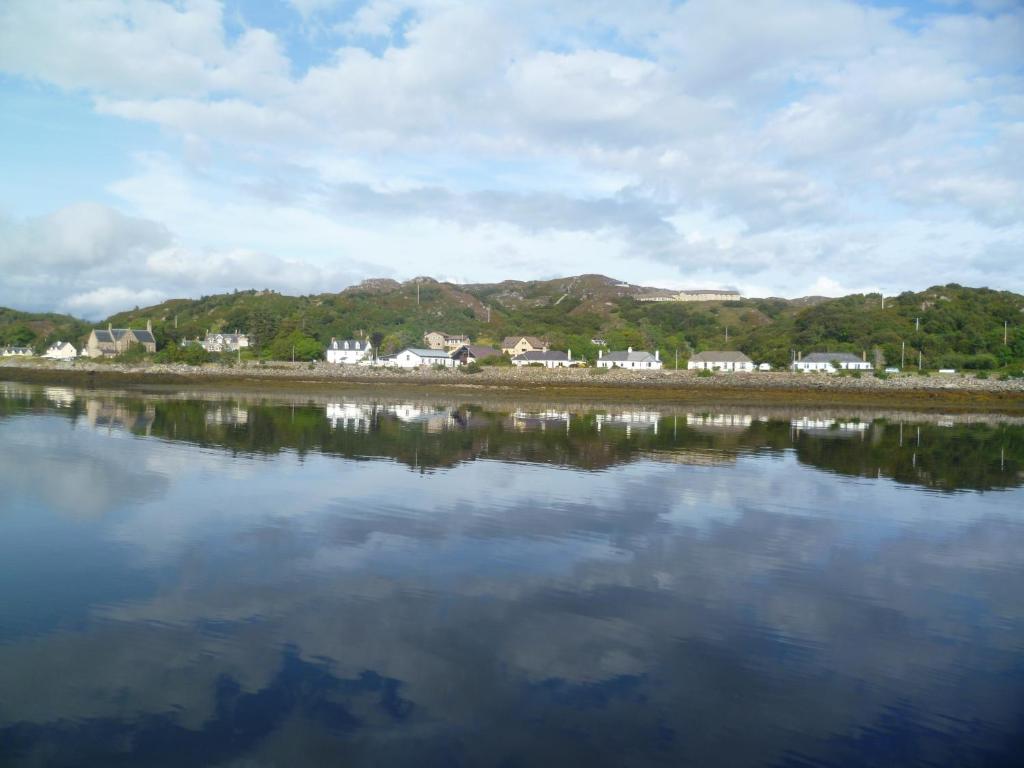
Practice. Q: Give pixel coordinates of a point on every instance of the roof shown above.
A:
(721, 356)
(828, 357)
(144, 337)
(478, 351)
(235, 335)
(115, 334)
(511, 341)
(354, 344)
(539, 356)
(636, 356)
(435, 353)
(711, 290)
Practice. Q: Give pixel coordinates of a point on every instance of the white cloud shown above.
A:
(824, 137)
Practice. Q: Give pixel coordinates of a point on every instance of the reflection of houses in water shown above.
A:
(700, 457)
(62, 397)
(629, 419)
(110, 414)
(433, 419)
(718, 422)
(829, 427)
(522, 421)
(227, 414)
(350, 417)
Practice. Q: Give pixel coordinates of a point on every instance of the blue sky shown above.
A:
(782, 147)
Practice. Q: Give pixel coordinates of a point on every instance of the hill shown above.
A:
(951, 326)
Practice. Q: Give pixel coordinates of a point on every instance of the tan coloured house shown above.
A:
(519, 345)
(438, 340)
(115, 341)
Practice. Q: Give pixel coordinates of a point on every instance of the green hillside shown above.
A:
(951, 326)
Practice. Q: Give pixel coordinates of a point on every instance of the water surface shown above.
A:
(372, 581)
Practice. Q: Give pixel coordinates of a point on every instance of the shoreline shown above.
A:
(666, 386)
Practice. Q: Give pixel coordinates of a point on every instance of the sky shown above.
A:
(152, 150)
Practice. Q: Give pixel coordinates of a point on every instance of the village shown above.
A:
(444, 350)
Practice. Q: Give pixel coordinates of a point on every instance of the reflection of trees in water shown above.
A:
(944, 455)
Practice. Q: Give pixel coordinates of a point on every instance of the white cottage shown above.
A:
(16, 352)
(826, 362)
(349, 352)
(61, 350)
(630, 359)
(719, 360)
(414, 358)
(548, 358)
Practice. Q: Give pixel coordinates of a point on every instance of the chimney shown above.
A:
(864, 355)
(149, 325)
(657, 354)
(570, 354)
(799, 355)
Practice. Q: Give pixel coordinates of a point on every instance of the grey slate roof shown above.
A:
(354, 344)
(828, 357)
(721, 356)
(539, 357)
(511, 341)
(636, 356)
(478, 351)
(433, 353)
(145, 337)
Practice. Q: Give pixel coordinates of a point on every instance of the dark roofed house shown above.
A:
(471, 353)
(115, 341)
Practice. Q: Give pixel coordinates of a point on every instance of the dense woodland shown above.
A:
(944, 326)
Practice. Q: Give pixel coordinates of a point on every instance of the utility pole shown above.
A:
(883, 300)
(1006, 326)
(417, 293)
(917, 324)
(919, 356)
(488, 314)
(677, 359)
(293, 353)
(903, 355)
(727, 334)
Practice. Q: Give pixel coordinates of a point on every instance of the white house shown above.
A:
(629, 359)
(548, 358)
(414, 358)
(825, 362)
(225, 342)
(764, 367)
(719, 360)
(349, 351)
(61, 350)
(16, 352)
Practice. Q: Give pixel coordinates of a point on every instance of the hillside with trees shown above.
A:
(949, 326)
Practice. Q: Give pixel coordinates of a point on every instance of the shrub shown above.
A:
(473, 367)
(981, 375)
(704, 373)
(881, 375)
(599, 371)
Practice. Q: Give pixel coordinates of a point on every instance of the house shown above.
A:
(719, 360)
(598, 342)
(517, 345)
(471, 353)
(61, 350)
(549, 359)
(629, 359)
(414, 358)
(825, 361)
(349, 351)
(438, 340)
(764, 367)
(697, 294)
(16, 352)
(114, 341)
(225, 342)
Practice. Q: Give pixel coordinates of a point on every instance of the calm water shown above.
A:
(343, 581)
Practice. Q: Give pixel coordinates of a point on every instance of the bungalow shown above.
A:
(414, 358)
(549, 359)
(61, 350)
(438, 340)
(225, 342)
(114, 341)
(629, 359)
(825, 361)
(719, 360)
(16, 352)
(471, 353)
(517, 345)
(349, 351)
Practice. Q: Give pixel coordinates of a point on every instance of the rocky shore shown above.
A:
(905, 389)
